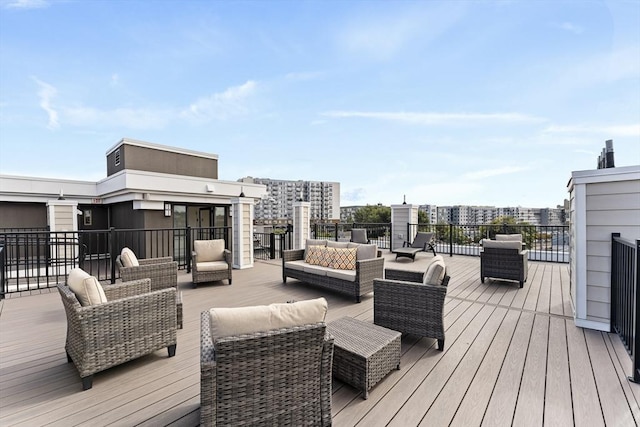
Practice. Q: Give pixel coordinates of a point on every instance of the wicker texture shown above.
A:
(366, 272)
(135, 321)
(364, 353)
(403, 303)
(500, 263)
(162, 271)
(210, 276)
(280, 377)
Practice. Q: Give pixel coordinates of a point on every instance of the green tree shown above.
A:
(373, 214)
(423, 218)
(509, 225)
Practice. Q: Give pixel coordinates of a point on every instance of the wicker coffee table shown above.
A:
(363, 353)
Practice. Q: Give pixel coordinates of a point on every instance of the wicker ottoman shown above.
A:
(364, 353)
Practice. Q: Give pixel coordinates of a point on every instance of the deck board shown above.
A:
(512, 357)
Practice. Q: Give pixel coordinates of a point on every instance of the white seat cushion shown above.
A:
(296, 265)
(349, 275)
(316, 269)
(128, 258)
(209, 250)
(212, 266)
(226, 322)
(87, 288)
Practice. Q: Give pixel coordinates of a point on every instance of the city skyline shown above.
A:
(459, 103)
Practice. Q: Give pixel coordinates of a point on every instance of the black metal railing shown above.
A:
(625, 298)
(545, 242)
(271, 245)
(378, 233)
(40, 259)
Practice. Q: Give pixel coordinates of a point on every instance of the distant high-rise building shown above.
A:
(277, 206)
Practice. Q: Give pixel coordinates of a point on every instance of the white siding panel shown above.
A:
(598, 248)
(598, 263)
(599, 278)
(603, 233)
(630, 187)
(613, 201)
(599, 293)
(599, 309)
(613, 218)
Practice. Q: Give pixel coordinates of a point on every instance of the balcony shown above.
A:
(512, 357)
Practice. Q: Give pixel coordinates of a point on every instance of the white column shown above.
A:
(242, 236)
(62, 218)
(301, 225)
(401, 217)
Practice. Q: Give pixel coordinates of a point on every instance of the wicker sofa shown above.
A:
(279, 373)
(356, 282)
(412, 302)
(119, 326)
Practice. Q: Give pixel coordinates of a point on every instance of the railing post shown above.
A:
(112, 255)
(3, 283)
(272, 246)
(335, 230)
(636, 342)
(187, 247)
(450, 239)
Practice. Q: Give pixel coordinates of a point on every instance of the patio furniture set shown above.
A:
(263, 364)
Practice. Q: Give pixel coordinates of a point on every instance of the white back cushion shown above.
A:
(128, 258)
(86, 287)
(503, 244)
(226, 322)
(209, 250)
(435, 272)
(509, 237)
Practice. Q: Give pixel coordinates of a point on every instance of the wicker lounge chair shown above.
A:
(422, 243)
(403, 302)
(278, 377)
(504, 260)
(162, 271)
(124, 328)
(210, 261)
(359, 235)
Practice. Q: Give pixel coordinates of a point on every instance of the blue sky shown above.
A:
(456, 102)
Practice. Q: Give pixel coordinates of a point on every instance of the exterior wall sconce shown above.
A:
(210, 188)
(241, 191)
(167, 209)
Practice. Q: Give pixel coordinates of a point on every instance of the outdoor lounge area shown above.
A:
(513, 356)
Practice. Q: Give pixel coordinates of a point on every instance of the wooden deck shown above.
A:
(513, 357)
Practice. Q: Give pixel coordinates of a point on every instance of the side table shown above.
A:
(364, 353)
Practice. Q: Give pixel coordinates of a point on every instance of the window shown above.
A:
(117, 157)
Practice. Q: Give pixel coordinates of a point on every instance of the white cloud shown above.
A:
(569, 26)
(611, 130)
(26, 4)
(311, 75)
(488, 173)
(382, 35)
(115, 80)
(224, 105)
(439, 118)
(132, 118)
(46, 93)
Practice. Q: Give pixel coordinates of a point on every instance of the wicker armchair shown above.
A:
(162, 271)
(124, 328)
(279, 377)
(206, 267)
(504, 260)
(402, 302)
